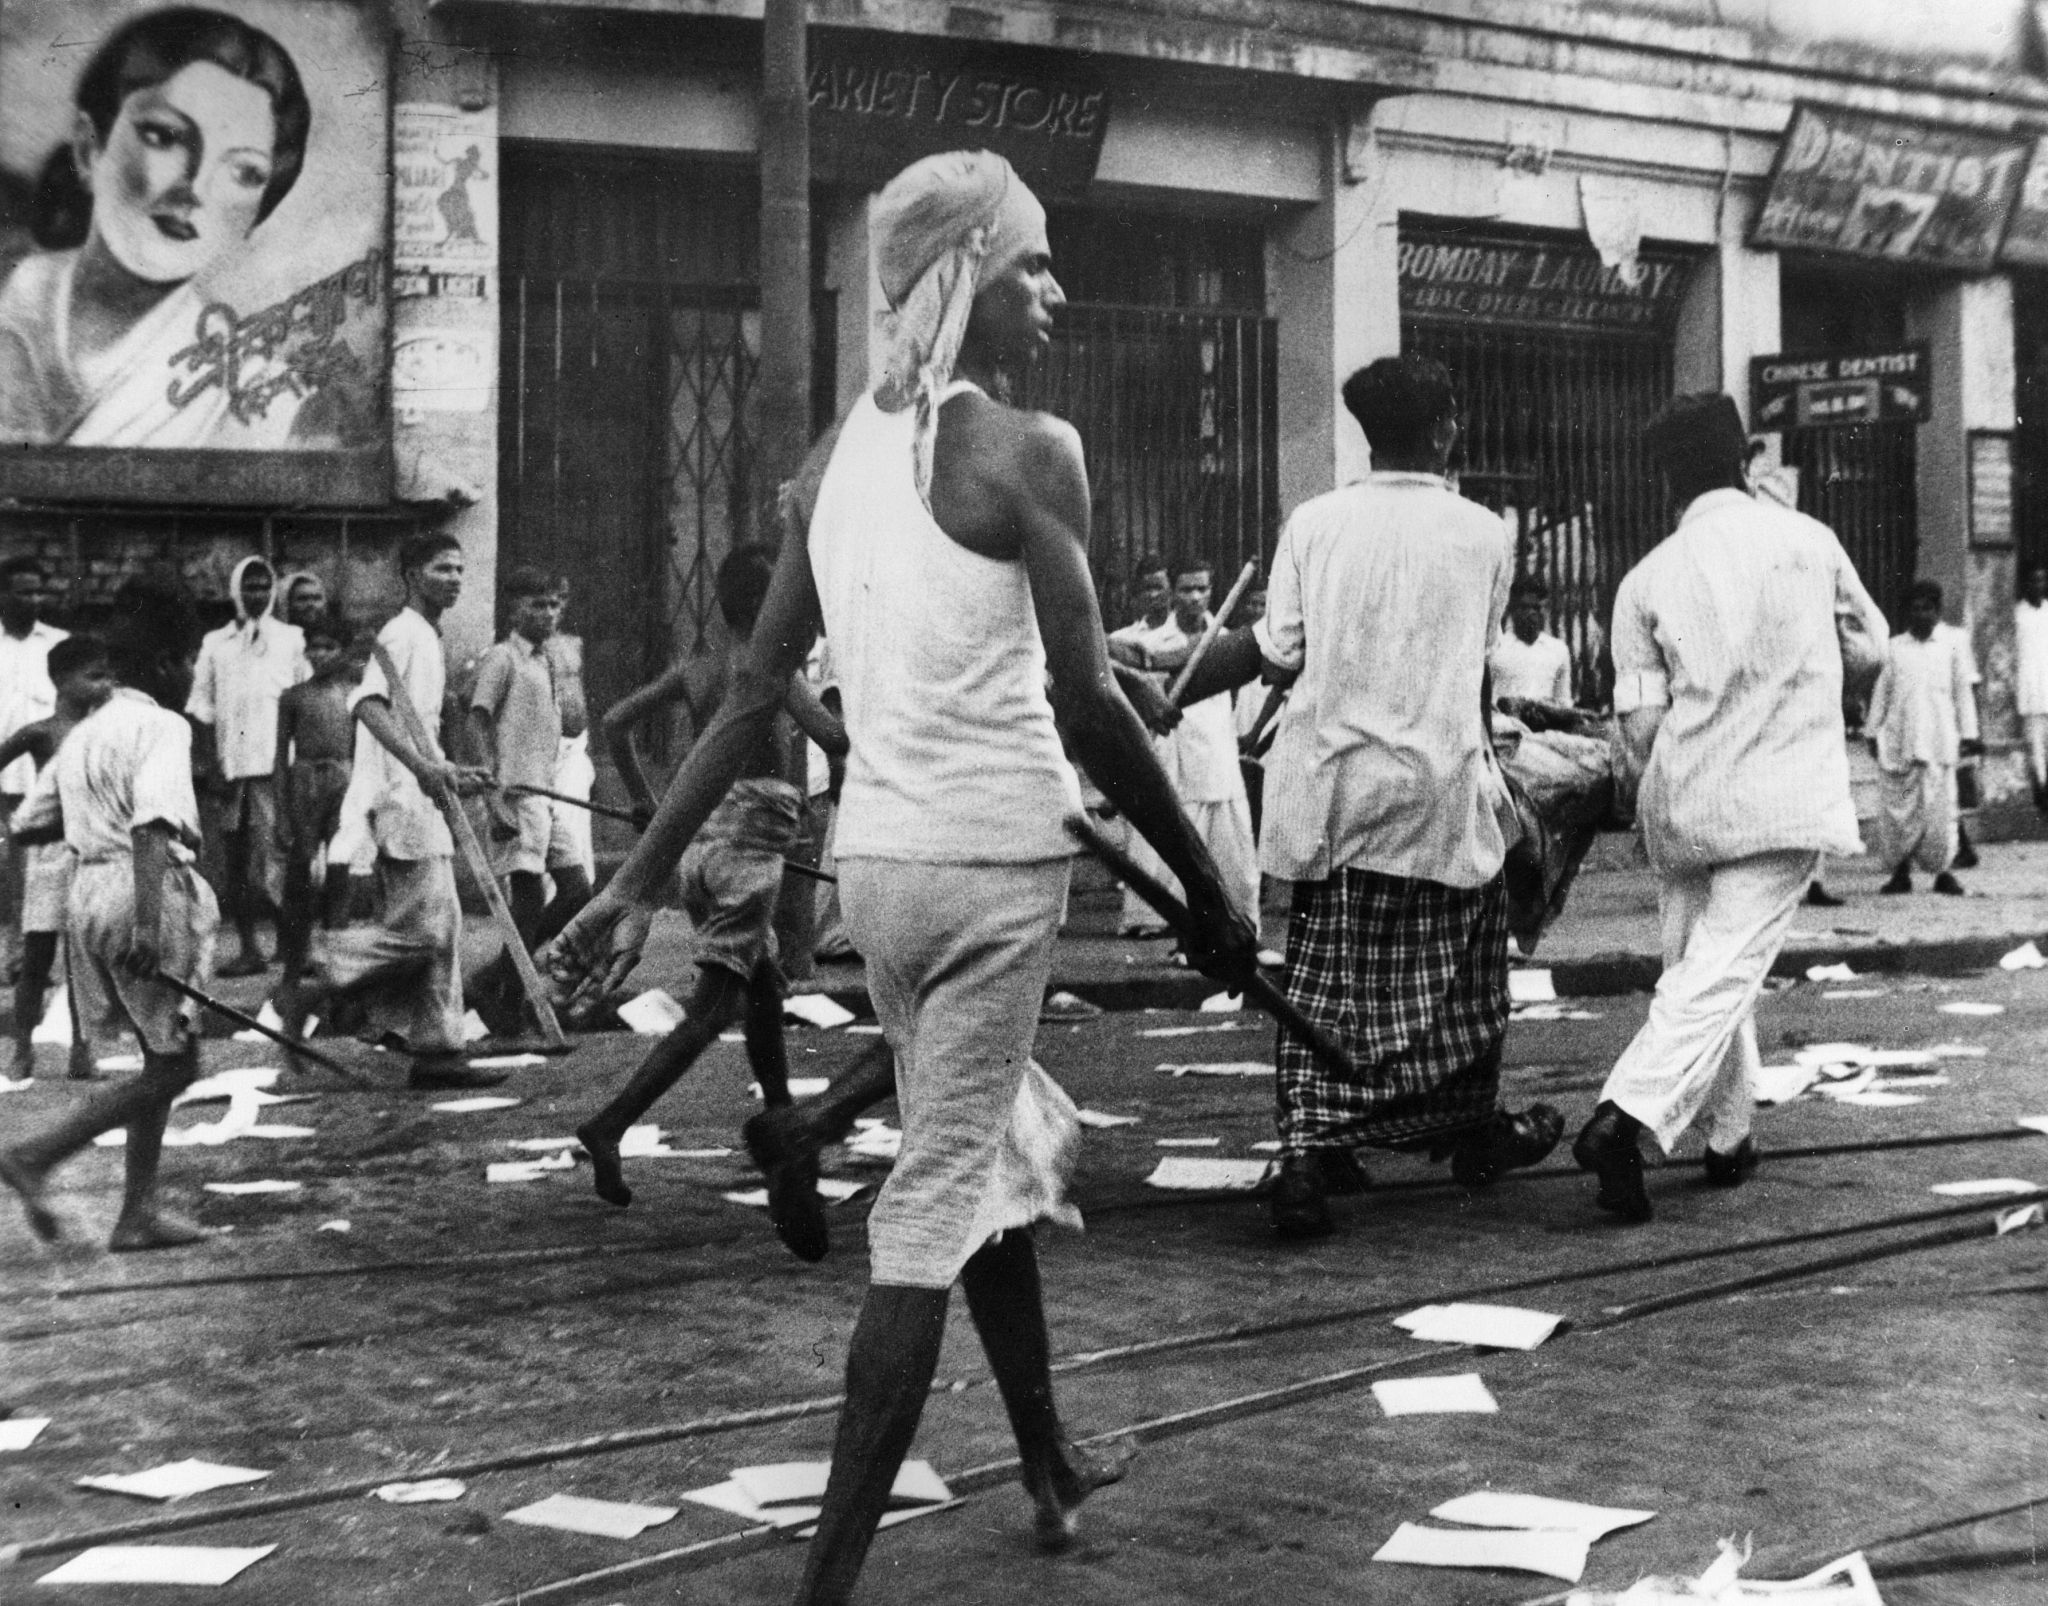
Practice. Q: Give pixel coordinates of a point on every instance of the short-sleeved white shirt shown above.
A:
(404, 820)
(26, 694)
(127, 763)
(244, 669)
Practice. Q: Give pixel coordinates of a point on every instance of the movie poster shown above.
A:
(192, 225)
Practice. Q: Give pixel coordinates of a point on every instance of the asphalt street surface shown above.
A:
(1851, 1390)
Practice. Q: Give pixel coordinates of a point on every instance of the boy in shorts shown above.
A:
(119, 791)
(315, 750)
(731, 877)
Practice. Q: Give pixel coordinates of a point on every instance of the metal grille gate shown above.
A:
(1551, 439)
(1860, 482)
(1178, 412)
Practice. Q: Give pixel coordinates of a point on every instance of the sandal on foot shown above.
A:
(1506, 1142)
(1732, 1169)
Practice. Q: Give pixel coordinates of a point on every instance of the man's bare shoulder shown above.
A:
(1030, 451)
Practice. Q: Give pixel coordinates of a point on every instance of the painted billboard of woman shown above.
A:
(189, 128)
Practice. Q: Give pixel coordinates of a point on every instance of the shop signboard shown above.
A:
(881, 101)
(1838, 389)
(1891, 188)
(193, 307)
(2026, 235)
(1456, 275)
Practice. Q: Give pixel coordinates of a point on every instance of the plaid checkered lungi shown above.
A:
(1411, 977)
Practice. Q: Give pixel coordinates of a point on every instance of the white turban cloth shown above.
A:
(944, 227)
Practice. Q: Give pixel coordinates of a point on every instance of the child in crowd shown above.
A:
(315, 744)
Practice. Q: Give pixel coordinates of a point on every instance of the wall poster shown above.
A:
(193, 222)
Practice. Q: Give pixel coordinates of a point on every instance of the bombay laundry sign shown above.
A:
(1891, 187)
(879, 102)
(1464, 278)
(1841, 388)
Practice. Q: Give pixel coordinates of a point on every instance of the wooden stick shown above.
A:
(1215, 628)
(249, 1023)
(473, 855)
(1258, 988)
(611, 813)
(1274, 696)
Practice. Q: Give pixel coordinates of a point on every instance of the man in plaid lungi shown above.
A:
(1385, 807)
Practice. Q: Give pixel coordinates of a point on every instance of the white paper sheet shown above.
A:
(1853, 992)
(1492, 1508)
(1781, 1084)
(1222, 1004)
(542, 1145)
(19, 1432)
(267, 1185)
(1831, 973)
(2026, 956)
(803, 1483)
(1187, 1143)
(174, 1480)
(833, 1190)
(1968, 1007)
(2033, 1123)
(507, 1062)
(426, 1491)
(1204, 1176)
(529, 1170)
(1531, 987)
(242, 1080)
(815, 1009)
(157, 1564)
(1559, 1555)
(800, 1087)
(1986, 1186)
(1846, 1582)
(9, 1086)
(607, 1519)
(1221, 1068)
(336, 1225)
(1871, 1098)
(1959, 1051)
(1188, 1031)
(476, 1105)
(1427, 1396)
(1099, 1120)
(1489, 1326)
(2021, 1216)
(473, 1028)
(652, 1013)
(55, 1028)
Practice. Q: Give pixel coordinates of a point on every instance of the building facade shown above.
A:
(1580, 208)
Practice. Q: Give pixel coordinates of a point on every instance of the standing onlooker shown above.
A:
(302, 598)
(26, 695)
(1922, 715)
(570, 843)
(1528, 662)
(243, 669)
(1154, 630)
(315, 751)
(2030, 674)
(1386, 809)
(1733, 641)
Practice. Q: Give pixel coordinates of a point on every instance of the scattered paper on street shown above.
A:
(803, 1482)
(1489, 1508)
(1873, 1098)
(652, 1013)
(231, 1084)
(542, 1145)
(1560, 1555)
(157, 1564)
(473, 1028)
(1831, 973)
(427, 1491)
(1221, 1068)
(815, 1009)
(1550, 1012)
(2027, 956)
(833, 1190)
(1968, 1007)
(173, 1481)
(19, 1432)
(1846, 1582)
(507, 1062)
(2033, 1123)
(2020, 1216)
(1488, 1326)
(477, 1104)
(267, 1185)
(1781, 1084)
(1205, 1176)
(529, 1170)
(119, 1062)
(1426, 1396)
(800, 1087)
(1985, 1187)
(1959, 1051)
(1222, 1004)
(1187, 1143)
(608, 1519)
(9, 1086)
(1189, 1031)
(876, 1141)
(1531, 987)
(336, 1225)
(1098, 1119)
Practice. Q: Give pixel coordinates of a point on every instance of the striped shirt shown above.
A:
(1733, 624)
(1385, 595)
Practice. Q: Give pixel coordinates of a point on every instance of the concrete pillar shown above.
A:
(1967, 325)
(1336, 296)
(1730, 314)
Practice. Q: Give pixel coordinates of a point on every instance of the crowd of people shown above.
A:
(1352, 735)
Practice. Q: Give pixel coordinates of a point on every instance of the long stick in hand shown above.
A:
(1259, 988)
(249, 1023)
(1209, 634)
(611, 813)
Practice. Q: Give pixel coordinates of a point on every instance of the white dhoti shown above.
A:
(570, 843)
(1722, 928)
(958, 956)
(1916, 817)
(2035, 727)
(1225, 827)
(108, 995)
(414, 952)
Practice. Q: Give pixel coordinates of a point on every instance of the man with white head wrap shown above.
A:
(940, 536)
(244, 668)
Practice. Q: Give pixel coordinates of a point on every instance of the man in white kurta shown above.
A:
(1730, 645)
(2030, 675)
(26, 695)
(1920, 715)
(243, 670)
(1154, 634)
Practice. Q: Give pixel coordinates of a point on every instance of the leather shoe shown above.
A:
(1607, 1148)
(1731, 1170)
(1340, 1173)
(1505, 1142)
(1297, 1205)
(440, 1073)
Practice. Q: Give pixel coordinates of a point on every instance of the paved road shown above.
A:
(1835, 1408)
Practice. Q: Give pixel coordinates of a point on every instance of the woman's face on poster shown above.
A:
(180, 177)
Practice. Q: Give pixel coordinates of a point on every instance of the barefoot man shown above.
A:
(942, 539)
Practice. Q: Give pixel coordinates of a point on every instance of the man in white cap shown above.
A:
(940, 537)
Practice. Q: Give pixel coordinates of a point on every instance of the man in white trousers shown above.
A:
(1732, 641)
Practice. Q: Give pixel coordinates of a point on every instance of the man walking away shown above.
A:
(1733, 641)
(244, 668)
(1922, 716)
